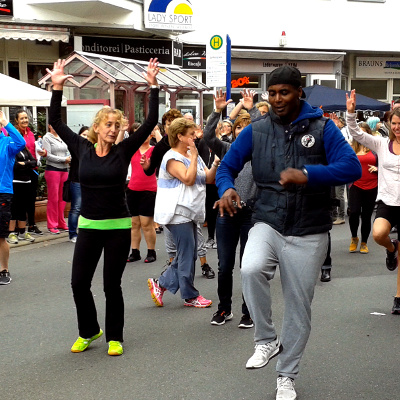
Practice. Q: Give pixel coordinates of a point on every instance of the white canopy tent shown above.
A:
(17, 93)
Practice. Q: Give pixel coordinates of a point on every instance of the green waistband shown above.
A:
(105, 224)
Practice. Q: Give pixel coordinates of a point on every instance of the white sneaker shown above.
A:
(73, 240)
(285, 389)
(263, 353)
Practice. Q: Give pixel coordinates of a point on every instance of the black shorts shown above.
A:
(141, 203)
(390, 213)
(5, 214)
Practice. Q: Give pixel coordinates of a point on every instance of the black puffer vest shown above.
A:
(295, 210)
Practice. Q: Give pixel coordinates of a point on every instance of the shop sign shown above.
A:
(194, 57)
(377, 67)
(6, 8)
(167, 51)
(172, 15)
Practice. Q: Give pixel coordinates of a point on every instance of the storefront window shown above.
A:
(245, 81)
(396, 87)
(36, 72)
(139, 107)
(377, 89)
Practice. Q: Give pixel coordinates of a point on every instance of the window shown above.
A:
(372, 88)
(36, 72)
(241, 81)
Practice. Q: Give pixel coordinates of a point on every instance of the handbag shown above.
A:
(66, 191)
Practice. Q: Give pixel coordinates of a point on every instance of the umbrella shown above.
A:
(333, 100)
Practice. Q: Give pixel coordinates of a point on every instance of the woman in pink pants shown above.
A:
(56, 174)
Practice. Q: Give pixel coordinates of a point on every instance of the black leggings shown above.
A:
(89, 246)
(211, 213)
(361, 203)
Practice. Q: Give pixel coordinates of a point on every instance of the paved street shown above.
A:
(175, 353)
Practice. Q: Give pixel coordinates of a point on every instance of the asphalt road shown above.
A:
(175, 353)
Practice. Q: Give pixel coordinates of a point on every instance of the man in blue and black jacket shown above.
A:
(297, 155)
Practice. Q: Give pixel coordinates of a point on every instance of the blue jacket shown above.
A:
(10, 146)
(273, 147)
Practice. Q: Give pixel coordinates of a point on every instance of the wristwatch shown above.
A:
(304, 171)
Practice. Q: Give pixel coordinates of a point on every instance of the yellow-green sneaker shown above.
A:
(82, 344)
(115, 348)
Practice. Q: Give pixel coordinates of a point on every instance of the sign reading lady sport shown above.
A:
(173, 15)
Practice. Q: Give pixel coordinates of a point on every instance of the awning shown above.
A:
(79, 8)
(293, 55)
(17, 93)
(34, 32)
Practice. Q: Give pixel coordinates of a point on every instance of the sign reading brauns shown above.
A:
(6, 8)
(167, 51)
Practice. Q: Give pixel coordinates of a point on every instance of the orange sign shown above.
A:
(240, 82)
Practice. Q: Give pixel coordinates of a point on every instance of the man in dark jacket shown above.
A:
(296, 156)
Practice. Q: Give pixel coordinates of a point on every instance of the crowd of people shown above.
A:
(263, 178)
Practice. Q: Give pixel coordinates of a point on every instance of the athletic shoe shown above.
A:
(156, 291)
(5, 277)
(198, 302)
(209, 244)
(395, 308)
(364, 248)
(12, 238)
(151, 256)
(353, 244)
(245, 322)
(115, 348)
(263, 353)
(26, 236)
(214, 246)
(54, 231)
(34, 230)
(63, 228)
(82, 344)
(339, 221)
(135, 256)
(73, 240)
(207, 271)
(391, 256)
(285, 388)
(220, 317)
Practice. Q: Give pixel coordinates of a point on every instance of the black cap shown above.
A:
(286, 75)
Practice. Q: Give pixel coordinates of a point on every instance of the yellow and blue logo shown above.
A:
(177, 6)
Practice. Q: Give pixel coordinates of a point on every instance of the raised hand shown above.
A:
(220, 100)
(58, 77)
(3, 119)
(351, 101)
(152, 71)
(247, 98)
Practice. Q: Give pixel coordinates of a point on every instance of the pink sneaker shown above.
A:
(54, 231)
(198, 302)
(156, 291)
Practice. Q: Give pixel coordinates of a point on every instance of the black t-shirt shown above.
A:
(102, 179)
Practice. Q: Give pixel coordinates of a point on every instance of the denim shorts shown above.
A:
(5, 214)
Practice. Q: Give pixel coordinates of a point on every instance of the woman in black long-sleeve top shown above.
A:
(105, 222)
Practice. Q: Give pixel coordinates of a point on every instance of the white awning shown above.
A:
(33, 32)
(17, 93)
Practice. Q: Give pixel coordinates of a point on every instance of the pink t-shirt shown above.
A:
(30, 142)
(139, 180)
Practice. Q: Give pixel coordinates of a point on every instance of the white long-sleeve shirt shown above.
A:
(388, 163)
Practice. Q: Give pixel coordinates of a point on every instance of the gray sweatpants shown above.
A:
(171, 248)
(300, 259)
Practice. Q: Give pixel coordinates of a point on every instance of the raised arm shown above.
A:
(219, 147)
(58, 78)
(17, 141)
(370, 141)
(133, 143)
